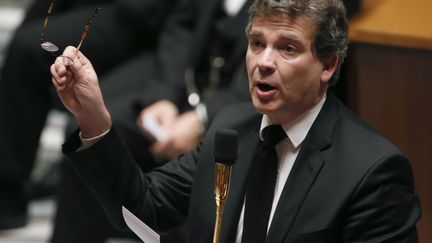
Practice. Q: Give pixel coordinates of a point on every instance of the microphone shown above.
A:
(225, 154)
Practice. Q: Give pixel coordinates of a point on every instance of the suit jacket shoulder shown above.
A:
(346, 179)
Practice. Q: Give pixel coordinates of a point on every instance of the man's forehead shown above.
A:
(287, 26)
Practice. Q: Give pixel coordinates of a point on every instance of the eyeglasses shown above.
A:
(51, 47)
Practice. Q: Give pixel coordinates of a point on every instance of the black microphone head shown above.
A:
(226, 146)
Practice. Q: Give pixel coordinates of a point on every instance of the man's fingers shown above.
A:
(76, 56)
(161, 147)
(70, 51)
(58, 76)
(62, 76)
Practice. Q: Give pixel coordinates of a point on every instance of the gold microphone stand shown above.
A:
(221, 189)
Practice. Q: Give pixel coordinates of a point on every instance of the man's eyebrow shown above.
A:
(286, 36)
(255, 33)
(290, 37)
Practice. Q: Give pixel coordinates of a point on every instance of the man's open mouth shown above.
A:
(265, 87)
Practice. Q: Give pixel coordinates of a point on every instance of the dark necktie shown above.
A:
(261, 185)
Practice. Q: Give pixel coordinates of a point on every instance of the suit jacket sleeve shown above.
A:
(385, 206)
(160, 198)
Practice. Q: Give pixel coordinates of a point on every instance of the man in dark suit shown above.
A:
(338, 180)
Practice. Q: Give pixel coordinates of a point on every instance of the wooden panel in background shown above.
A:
(389, 73)
(394, 22)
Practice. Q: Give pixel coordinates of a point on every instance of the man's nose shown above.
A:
(266, 62)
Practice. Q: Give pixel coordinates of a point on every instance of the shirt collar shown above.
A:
(296, 130)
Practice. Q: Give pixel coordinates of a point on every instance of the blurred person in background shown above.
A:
(118, 36)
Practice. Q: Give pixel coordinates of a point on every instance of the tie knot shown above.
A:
(273, 134)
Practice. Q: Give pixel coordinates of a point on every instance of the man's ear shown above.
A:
(329, 67)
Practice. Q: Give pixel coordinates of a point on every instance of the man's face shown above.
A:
(285, 76)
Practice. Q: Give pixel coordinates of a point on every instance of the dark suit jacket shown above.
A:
(348, 184)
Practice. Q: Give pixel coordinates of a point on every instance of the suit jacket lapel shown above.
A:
(301, 178)
(306, 168)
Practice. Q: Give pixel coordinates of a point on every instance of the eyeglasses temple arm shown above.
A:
(87, 28)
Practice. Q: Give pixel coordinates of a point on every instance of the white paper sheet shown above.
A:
(154, 128)
(144, 232)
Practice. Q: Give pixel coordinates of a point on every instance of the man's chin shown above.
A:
(263, 108)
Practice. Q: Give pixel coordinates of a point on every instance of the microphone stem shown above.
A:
(218, 222)
(222, 183)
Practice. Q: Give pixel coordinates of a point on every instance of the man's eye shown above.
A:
(256, 43)
(288, 49)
